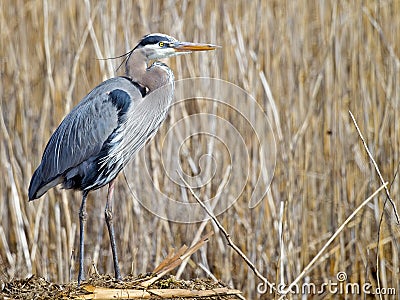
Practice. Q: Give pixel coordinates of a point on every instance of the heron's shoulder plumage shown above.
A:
(121, 101)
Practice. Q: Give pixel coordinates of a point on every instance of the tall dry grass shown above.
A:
(319, 59)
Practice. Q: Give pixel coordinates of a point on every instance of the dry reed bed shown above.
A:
(318, 59)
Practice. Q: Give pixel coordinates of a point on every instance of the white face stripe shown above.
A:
(154, 51)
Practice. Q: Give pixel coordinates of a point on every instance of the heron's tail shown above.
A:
(39, 186)
(35, 185)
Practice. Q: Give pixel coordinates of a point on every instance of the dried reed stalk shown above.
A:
(109, 293)
(173, 260)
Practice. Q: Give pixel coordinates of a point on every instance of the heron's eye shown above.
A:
(161, 44)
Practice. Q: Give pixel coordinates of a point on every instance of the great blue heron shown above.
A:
(101, 134)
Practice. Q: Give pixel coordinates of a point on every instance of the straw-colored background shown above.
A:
(320, 60)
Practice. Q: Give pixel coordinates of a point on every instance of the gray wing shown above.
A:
(82, 133)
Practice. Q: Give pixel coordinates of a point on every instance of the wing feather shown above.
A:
(80, 135)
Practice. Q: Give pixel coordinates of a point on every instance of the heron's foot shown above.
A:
(81, 277)
(118, 276)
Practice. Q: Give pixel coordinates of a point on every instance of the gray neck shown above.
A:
(136, 66)
(152, 77)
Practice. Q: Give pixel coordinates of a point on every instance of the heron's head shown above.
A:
(158, 45)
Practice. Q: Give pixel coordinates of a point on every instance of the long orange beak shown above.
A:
(188, 47)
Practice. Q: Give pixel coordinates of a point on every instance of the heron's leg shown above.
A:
(109, 221)
(82, 221)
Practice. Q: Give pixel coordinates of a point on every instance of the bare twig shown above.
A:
(228, 238)
(376, 168)
(381, 178)
(203, 223)
(316, 257)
